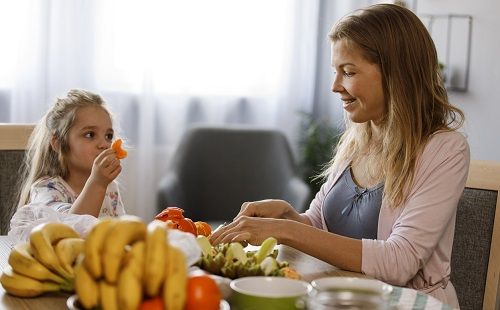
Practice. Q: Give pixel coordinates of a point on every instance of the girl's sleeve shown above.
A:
(117, 202)
(52, 194)
(112, 205)
(29, 216)
(431, 206)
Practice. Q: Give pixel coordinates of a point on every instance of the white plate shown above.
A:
(323, 284)
(74, 304)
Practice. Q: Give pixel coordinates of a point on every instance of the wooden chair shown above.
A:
(13, 141)
(475, 259)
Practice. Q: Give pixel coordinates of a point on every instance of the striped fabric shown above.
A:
(404, 298)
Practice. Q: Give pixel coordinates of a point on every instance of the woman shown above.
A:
(388, 205)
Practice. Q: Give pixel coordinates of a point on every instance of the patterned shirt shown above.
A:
(54, 192)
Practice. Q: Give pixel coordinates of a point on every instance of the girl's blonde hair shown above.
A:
(416, 101)
(41, 159)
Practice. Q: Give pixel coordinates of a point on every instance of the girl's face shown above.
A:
(358, 82)
(90, 134)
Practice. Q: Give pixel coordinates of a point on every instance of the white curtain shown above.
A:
(163, 66)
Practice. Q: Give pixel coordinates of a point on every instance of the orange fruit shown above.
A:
(117, 146)
(203, 228)
(202, 293)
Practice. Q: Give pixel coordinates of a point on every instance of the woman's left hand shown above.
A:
(253, 230)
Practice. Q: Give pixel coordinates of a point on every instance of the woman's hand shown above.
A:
(253, 230)
(258, 220)
(270, 208)
(106, 168)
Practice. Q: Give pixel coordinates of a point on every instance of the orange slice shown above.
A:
(117, 146)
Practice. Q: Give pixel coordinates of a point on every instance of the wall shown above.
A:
(481, 103)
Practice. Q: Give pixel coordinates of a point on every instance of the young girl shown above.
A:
(70, 166)
(389, 204)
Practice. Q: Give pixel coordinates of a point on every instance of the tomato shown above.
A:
(186, 224)
(202, 293)
(170, 213)
(203, 228)
(174, 218)
(152, 304)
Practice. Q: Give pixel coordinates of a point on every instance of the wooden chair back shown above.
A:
(13, 142)
(475, 262)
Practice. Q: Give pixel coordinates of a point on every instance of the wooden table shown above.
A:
(309, 267)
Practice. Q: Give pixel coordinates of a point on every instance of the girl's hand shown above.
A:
(270, 208)
(106, 168)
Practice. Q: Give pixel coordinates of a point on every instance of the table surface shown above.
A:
(309, 268)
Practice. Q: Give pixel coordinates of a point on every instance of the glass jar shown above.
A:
(345, 299)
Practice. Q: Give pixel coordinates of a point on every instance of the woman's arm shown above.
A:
(337, 250)
(423, 231)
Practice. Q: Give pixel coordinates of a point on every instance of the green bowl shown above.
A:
(273, 293)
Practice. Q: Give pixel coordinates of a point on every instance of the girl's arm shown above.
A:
(105, 169)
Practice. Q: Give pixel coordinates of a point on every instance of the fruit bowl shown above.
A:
(74, 304)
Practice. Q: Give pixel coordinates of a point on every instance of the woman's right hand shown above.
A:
(270, 208)
(106, 168)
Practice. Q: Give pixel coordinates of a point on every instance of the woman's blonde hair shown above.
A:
(416, 100)
(41, 159)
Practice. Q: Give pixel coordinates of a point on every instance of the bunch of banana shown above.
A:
(45, 263)
(113, 247)
(126, 261)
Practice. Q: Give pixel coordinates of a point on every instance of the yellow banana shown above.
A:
(86, 287)
(109, 297)
(42, 238)
(67, 250)
(129, 284)
(156, 255)
(22, 286)
(94, 245)
(24, 263)
(136, 261)
(126, 231)
(174, 288)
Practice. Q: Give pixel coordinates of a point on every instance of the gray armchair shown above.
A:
(215, 170)
(475, 258)
(13, 139)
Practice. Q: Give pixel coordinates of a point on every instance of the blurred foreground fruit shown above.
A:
(152, 304)
(120, 261)
(135, 264)
(202, 293)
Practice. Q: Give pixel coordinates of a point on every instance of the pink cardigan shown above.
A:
(414, 240)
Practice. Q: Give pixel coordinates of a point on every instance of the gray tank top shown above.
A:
(352, 211)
